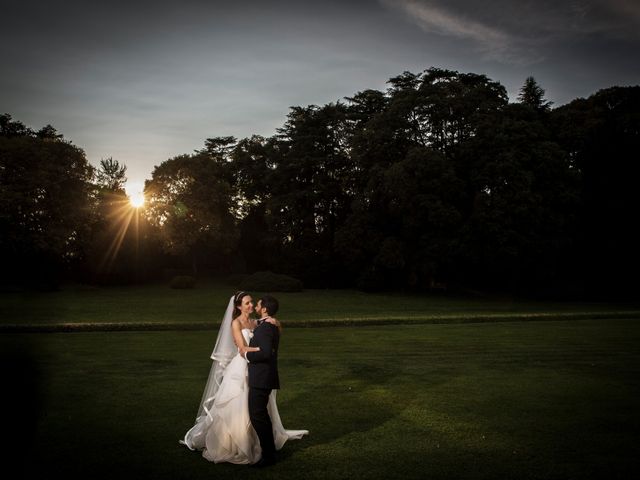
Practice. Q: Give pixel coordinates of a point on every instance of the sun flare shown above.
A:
(135, 192)
(136, 200)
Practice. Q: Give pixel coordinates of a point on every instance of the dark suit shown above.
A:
(263, 377)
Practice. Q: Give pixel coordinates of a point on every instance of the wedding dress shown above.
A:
(223, 429)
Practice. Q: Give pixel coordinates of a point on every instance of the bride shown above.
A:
(223, 430)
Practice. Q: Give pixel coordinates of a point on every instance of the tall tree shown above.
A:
(532, 94)
(111, 175)
(189, 201)
(451, 105)
(311, 187)
(10, 128)
(253, 162)
(410, 201)
(44, 202)
(49, 133)
(601, 135)
(525, 198)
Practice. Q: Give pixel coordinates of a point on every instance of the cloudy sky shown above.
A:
(142, 81)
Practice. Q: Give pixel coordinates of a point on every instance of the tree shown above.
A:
(189, 201)
(45, 185)
(425, 194)
(365, 105)
(410, 196)
(253, 161)
(48, 133)
(311, 188)
(9, 128)
(111, 175)
(251, 164)
(532, 94)
(219, 148)
(450, 106)
(525, 198)
(601, 137)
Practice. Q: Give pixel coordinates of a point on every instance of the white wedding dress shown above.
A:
(225, 433)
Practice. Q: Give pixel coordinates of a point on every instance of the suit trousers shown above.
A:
(259, 415)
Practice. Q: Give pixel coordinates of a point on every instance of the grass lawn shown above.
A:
(521, 400)
(205, 305)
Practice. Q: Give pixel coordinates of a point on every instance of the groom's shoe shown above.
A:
(263, 462)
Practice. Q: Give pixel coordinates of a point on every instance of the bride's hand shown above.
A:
(244, 349)
(273, 321)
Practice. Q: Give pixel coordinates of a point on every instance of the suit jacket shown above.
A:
(263, 365)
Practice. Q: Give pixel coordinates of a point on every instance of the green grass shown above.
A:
(204, 306)
(521, 400)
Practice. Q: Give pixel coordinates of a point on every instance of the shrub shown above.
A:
(271, 282)
(236, 279)
(183, 281)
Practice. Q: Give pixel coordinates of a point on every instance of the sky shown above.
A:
(144, 81)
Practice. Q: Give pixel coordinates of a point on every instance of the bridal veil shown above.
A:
(223, 352)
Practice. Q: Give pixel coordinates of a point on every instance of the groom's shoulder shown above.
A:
(265, 326)
(270, 326)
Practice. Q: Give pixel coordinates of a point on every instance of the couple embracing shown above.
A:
(238, 419)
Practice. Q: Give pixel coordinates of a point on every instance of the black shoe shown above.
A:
(263, 462)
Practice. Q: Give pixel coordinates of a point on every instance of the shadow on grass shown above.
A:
(356, 398)
(21, 402)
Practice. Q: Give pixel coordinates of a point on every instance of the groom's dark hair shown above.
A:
(270, 303)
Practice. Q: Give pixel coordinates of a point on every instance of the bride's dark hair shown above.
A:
(237, 301)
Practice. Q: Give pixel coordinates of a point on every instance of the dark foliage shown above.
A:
(45, 214)
(270, 282)
(437, 183)
(183, 282)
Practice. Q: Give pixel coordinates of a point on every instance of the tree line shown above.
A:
(437, 182)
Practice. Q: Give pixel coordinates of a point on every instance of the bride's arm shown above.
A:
(238, 339)
(274, 321)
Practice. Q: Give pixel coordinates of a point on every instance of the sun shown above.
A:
(135, 192)
(136, 200)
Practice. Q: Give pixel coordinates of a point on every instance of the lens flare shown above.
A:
(137, 200)
(135, 192)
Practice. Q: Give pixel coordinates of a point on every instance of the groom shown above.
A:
(263, 377)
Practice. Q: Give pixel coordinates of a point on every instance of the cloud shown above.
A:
(493, 42)
(437, 19)
(617, 18)
(522, 32)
